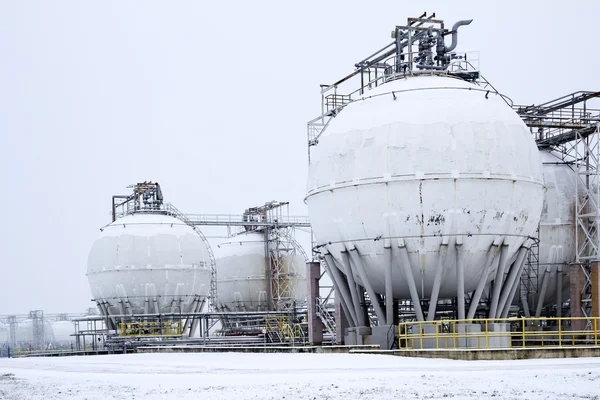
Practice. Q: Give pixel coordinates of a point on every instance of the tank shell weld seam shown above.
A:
(381, 237)
(411, 178)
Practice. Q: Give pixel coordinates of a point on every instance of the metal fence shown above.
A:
(499, 333)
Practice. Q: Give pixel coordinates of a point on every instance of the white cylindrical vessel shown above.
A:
(425, 164)
(243, 282)
(149, 263)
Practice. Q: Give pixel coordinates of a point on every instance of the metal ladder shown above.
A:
(212, 295)
(326, 317)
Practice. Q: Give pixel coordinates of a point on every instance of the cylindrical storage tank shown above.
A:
(26, 333)
(557, 230)
(149, 263)
(422, 165)
(242, 280)
(63, 331)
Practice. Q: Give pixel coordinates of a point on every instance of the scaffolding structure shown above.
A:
(569, 126)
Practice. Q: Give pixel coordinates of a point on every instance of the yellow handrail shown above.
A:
(492, 333)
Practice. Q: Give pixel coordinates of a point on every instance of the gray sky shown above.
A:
(210, 99)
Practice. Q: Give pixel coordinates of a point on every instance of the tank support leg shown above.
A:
(559, 291)
(389, 297)
(353, 288)
(520, 262)
(437, 282)
(512, 281)
(491, 262)
(460, 280)
(340, 288)
(498, 281)
(367, 284)
(542, 298)
(408, 275)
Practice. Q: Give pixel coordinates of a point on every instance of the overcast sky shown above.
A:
(210, 99)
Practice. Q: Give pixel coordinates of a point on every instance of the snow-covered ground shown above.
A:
(294, 376)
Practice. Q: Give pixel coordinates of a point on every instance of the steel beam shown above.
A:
(491, 262)
(512, 280)
(341, 288)
(353, 288)
(367, 285)
(437, 282)
(408, 275)
(498, 281)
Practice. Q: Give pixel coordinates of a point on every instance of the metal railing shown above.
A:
(497, 333)
(165, 328)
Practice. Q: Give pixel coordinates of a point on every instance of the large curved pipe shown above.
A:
(455, 33)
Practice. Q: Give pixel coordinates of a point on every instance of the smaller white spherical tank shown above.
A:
(63, 331)
(149, 263)
(557, 228)
(25, 334)
(242, 282)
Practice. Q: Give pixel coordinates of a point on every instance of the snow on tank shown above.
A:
(243, 283)
(149, 263)
(442, 169)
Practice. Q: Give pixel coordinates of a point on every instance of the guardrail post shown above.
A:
(595, 331)
(523, 336)
(487, 338)
(560, 332)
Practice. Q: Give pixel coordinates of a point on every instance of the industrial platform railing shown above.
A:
(144, 328)
(499, 333)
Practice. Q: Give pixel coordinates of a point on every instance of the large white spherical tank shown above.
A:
(25, 332)
(242, 281)
(557, 226)
(436, 159)
(149, 263)
(63, 331)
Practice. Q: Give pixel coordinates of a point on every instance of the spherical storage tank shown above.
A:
(149, 263)
(242, 280)
(557, 230)
(437, 164)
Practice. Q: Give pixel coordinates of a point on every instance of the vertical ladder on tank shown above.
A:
(212, 296)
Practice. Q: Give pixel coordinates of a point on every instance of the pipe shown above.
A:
(340, 288)
(389, 296)
(437, 282)
(405, 262)
(514, 287)
(367, 284)
(455, 33)
(353, 289)
(498, 281)
(489, 265)
(511, 280)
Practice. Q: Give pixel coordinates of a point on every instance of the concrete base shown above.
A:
(357, 336)
(384, 336)
(488, 355)
(502, 341)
